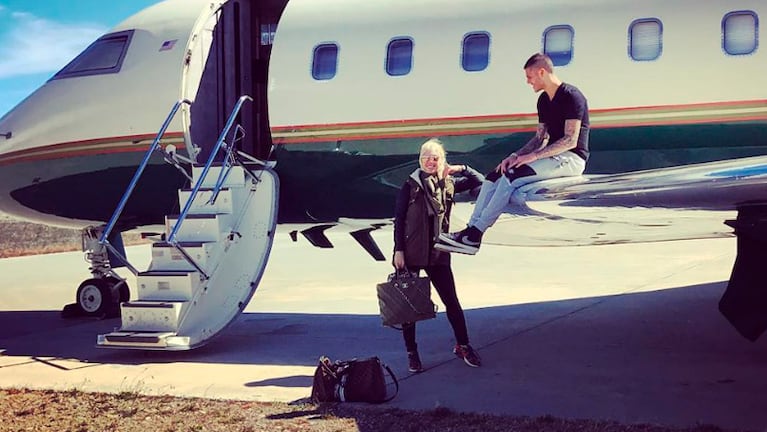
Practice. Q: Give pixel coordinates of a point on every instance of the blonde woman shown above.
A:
(423, 213)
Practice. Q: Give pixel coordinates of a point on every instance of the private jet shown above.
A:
(208, 124)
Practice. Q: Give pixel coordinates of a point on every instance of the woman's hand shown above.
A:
(399, 260)
(452, 169)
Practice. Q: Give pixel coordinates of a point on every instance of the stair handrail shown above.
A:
(139, 171)
(214, 152)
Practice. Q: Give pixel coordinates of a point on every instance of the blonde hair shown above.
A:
(433, 146)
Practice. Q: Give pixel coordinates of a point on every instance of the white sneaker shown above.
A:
(468, 250)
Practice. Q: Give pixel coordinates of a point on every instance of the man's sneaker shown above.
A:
(469, 239)
(444, 247)
(467, 353)
(414, 362)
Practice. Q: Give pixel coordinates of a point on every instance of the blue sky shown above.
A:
(39, 37)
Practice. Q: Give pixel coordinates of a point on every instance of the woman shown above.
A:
(422, 214)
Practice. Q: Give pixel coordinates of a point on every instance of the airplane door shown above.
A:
(194, 64)
(237, 64)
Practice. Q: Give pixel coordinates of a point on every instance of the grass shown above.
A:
(47, 410)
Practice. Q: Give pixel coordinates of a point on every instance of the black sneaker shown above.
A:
(466, 241)
(414, 362)
(469, 356)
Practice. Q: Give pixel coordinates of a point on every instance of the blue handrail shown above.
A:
(120, 207)
(235, 111)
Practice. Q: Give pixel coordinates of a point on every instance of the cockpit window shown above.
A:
(104, 56)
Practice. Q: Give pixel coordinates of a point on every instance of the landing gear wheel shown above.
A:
(95, 297)
(122, 289)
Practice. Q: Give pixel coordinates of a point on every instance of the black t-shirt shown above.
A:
(568, 104)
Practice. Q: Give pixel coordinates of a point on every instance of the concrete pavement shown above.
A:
(622, 332)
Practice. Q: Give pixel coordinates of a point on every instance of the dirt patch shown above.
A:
(45, 410)
(24, 238)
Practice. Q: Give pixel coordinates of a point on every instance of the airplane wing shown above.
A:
(694, 201)
(675, 203)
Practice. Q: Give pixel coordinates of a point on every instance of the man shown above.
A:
(558, 149)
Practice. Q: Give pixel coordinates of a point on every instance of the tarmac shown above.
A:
(625, 332)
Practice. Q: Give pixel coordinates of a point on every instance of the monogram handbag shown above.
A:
(405, 297)
(364, 381)
(356, 380)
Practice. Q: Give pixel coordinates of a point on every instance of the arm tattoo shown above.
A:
(567, 142)
(537, 142)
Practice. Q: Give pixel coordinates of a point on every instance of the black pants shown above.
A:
(442, 278)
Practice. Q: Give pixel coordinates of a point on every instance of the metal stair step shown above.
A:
(168, 285)
(144, 340)
(235, 178)
(227, 200)
(200, 227)
(151, 316)
(165, 256)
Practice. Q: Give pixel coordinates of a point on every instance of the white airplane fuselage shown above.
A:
(344, 143)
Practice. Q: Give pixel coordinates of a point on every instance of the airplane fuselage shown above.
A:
(346, 92)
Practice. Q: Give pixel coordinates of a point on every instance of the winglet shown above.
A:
(365, 240)
(316, 236)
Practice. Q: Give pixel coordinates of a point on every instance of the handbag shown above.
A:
(405, 297)
(352, 381)
(364, 381)
(326, 382)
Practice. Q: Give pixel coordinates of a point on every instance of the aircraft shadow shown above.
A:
(628, 357)
(685, 317)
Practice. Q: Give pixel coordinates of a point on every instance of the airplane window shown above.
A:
(645, 39)
(104, 56)
(476, 52)
(399, 57)
(325, 62)
(740, 32)
(558, 44)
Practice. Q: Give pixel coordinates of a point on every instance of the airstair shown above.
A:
(211, 257)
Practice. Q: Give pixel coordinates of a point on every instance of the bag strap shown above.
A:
(396, 383)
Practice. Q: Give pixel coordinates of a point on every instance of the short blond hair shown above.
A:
(433, 146)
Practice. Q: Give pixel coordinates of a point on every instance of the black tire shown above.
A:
(95, 298)
(122, 289)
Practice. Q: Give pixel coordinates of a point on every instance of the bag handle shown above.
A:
(402, 273)
(396, 383)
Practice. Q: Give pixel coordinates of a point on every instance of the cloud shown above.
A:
(35, 45)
